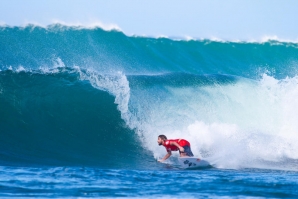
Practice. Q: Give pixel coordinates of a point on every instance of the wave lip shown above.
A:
(33, 47)
(95, 24)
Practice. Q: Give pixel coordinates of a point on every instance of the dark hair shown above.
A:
(163, 137)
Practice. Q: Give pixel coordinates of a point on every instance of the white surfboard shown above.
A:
(192, 162)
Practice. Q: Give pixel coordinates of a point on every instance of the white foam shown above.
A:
(20, 69)
(88, 25)
(268, 38)
(58, 63)
(112, 26)
(258, 40)
(234, 125)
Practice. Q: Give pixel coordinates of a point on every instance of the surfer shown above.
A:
(174, 145)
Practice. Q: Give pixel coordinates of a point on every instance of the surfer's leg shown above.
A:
(187, 151)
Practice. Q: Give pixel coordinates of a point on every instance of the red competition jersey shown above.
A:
(170, 147)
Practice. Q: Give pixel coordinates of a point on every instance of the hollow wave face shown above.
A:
(58, 118)
(78, 96)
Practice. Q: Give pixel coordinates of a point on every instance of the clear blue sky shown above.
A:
(225, 19)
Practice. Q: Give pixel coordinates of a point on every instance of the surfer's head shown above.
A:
(161, 139)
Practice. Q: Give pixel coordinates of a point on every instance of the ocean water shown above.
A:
(81, 109)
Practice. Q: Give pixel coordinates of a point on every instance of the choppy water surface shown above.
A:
(64, 182)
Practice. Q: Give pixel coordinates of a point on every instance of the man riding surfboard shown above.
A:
(174, 145)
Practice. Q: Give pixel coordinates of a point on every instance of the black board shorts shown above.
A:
(187, 150)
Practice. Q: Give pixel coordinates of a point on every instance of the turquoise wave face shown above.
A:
(54, 119)
(77, 96)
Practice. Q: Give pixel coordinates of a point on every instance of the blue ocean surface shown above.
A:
(81, 109)
(166, 182)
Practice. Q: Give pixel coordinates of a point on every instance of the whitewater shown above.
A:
(81, 109)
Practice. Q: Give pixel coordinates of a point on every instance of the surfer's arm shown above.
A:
(177, 145)
(166, 156)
